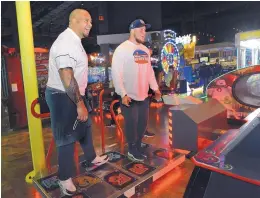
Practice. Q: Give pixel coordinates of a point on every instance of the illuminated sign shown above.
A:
(169, 34)
(101, 18)
(186, 39)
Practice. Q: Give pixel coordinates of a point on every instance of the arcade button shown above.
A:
(139, 169)
(163, 153)
(49, 183)
(85, 181)
(119, 180)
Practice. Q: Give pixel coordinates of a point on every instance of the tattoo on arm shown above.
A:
(73, 91)
(70, 84)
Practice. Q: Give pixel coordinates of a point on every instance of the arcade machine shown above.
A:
(164, 60)
(169, 59)
(96, 79)
(230, 100)
(14, 84)
(223, 87)
(175, 53)
(230, 166)
(248, 48)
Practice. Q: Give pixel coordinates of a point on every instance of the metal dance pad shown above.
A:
(120, 177)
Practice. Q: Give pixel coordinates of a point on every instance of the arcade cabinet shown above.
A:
(234, 89)
(15, 88)
(230, 166)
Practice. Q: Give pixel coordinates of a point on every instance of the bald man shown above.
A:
(132, 75)
(67, 81)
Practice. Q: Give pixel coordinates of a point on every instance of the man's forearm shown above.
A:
(70, 84)
(73, 91)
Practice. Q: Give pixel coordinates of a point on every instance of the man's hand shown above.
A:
(126, 100)
(158, 95)
(82, 112)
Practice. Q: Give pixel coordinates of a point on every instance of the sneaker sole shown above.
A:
(103, 162)
(64, 191)
(149, 136)
(130, 156)
(96, 165)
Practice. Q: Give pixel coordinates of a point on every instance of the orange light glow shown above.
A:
(167, 180)
(120, 117)
(41, 50)
(157, 117)
(203, 143)
(185, 152)
(118, 133)
(35, 193)
(108, 116)
(101, 18)
(156, 105)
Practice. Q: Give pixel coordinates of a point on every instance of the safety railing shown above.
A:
(113, 116)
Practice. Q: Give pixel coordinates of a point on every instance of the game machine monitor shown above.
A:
(238, 91)
(204, 59)
(96, 78)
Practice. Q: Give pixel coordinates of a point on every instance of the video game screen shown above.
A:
(98, 74)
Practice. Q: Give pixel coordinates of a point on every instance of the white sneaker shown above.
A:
(99, 160)
(67, 187)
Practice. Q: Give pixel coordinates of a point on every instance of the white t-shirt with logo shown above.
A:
(67, 51)
(132, 72)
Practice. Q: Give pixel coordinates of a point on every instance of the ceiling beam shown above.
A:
(55, 13)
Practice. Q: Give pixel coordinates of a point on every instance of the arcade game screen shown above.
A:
(222, 89)
(246, 90)
(253, 84)
(98, 74)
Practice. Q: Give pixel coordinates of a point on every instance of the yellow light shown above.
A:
(194, 39)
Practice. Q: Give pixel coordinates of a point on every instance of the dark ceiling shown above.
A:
(220, 19)
(49, 18)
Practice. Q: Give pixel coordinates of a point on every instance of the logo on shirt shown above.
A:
(141, 57)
